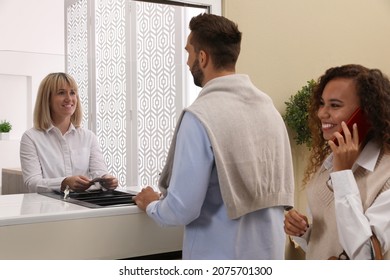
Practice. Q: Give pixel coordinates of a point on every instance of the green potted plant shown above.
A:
(296, 115)
(5, 128)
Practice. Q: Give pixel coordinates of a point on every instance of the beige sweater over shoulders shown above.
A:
(250, 145)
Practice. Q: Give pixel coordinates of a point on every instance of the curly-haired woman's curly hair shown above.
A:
(373, 89)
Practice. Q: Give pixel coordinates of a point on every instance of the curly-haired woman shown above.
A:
(347, 179)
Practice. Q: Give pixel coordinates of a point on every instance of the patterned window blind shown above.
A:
(77, 49)
(129, 61)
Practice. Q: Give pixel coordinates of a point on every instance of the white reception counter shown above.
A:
(33, 226)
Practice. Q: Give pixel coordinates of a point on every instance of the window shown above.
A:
(129, 61)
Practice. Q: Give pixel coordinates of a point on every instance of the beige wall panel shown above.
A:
(286, 43)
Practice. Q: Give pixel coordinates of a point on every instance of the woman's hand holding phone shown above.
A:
(347, 150)
(346, 143)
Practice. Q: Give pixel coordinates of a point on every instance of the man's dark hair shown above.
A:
(218, 36)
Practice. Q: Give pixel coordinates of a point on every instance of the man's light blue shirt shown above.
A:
(194, 200)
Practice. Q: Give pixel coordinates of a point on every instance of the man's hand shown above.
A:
(146, 196)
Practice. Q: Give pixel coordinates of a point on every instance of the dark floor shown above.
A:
(164, 256)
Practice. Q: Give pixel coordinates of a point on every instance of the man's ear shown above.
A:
(204, 59)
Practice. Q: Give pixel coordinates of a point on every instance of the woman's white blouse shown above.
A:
(355, 226)
(48, 157)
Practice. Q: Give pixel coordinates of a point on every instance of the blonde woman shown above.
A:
(57, 152)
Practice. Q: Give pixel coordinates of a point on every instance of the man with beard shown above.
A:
(228, 175)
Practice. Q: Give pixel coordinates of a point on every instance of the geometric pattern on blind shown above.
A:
(156, 87)
(158, 77)
(110, 53)
(77, 50)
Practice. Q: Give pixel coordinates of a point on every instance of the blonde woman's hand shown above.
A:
(109, 182)
(77, 183)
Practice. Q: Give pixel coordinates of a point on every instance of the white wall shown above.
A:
(17, 87)
(31, 46)
(32, 26)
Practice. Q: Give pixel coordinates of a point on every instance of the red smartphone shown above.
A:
(362, 123)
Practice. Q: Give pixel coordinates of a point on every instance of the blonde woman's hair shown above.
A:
(50, 85)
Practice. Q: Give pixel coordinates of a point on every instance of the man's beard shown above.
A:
(197, 73)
